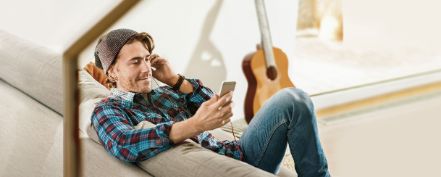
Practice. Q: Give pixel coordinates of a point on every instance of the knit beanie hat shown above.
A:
(110, 44)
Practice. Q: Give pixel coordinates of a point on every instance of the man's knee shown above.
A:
(294, 96)
(296, 102)
(290, 99)
(293, 100)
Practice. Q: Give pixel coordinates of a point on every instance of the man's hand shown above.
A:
(214, 113)
(163, 72)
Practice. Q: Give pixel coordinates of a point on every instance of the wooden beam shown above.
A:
(71, 141)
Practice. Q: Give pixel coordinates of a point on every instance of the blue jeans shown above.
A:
(286, 118)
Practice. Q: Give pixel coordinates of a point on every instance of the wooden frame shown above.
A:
(71, 141)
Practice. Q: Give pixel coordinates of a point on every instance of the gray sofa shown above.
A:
(31, 127)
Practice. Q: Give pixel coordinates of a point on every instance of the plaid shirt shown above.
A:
(114, 119)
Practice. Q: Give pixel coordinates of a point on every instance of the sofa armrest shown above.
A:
(191, 160)
(97, 163)
(33, 69)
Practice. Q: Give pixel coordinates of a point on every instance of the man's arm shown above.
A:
(183, 130)
(211, 114)
(186, 86)
(124, 142)
(228, 148)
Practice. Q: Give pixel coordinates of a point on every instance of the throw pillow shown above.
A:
(97, 73)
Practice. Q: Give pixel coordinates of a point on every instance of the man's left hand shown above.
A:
(164, 72)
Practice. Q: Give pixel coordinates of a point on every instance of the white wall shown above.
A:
(208, 39)
(392, 23)
(202, 39)
(212, 46)
(50, 23)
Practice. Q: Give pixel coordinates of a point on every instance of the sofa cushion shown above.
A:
(31, 136)
(97, 74)
(90, 93)
(190, 159)
(89, 87)
(98, 163)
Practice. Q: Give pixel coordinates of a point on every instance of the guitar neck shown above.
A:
(265, 33)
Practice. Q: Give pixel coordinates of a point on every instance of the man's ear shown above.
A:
(111, 72)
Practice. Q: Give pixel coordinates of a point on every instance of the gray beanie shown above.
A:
(109, 46)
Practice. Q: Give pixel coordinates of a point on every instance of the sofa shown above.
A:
(31, 128)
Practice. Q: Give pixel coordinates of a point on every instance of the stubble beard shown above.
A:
(137, 87)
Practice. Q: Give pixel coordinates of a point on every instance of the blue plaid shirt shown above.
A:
(114, 119)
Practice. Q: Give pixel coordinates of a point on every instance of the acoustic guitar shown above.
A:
(266, 70)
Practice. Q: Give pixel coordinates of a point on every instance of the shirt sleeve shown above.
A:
(199, 95)
(227, 148)
(124, 142)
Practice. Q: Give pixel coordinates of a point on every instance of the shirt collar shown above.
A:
(127, 97)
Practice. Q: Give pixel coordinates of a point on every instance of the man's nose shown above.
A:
(146, 66)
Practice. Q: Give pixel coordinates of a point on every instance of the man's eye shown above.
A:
(147, 58)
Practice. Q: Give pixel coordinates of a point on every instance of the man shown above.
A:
(186, 109)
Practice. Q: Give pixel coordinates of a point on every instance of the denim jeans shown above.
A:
(286, 118)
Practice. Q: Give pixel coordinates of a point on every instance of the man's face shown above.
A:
(132, 69)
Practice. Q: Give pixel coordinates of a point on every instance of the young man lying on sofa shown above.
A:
(185, 109)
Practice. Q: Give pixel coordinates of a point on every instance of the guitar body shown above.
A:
(260, 86)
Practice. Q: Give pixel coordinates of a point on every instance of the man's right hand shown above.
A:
(214, 113)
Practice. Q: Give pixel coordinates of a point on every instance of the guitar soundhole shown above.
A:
(271, 72)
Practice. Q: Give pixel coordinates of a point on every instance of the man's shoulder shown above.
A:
(109, 101)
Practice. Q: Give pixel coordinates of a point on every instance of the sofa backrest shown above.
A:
(33, 69)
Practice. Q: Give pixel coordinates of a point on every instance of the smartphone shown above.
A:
(226, 87)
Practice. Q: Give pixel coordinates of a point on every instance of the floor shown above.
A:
(399, 140)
